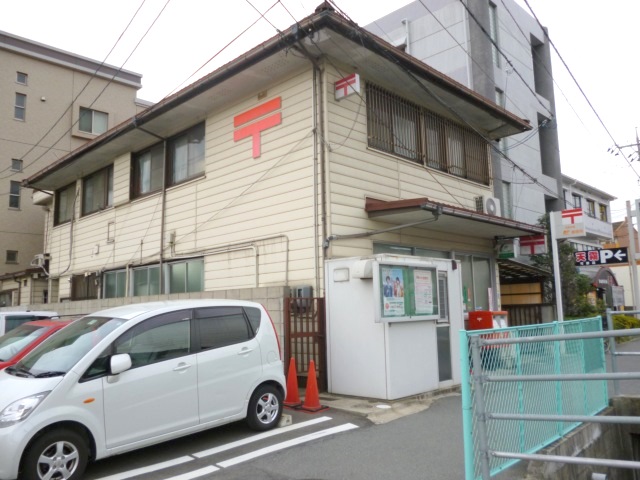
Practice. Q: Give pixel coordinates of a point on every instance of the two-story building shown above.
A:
(323, 142)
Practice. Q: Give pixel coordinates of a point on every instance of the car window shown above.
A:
(13, 321)
(254, 314)
(222, 326)
(158, 339)
(17, 339)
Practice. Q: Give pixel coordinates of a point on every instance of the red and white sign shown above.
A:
(570, 223)
(347, 86)
(257, 121)
(533, 245)
(572, 216)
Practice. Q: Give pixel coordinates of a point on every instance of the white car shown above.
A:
(136, 375)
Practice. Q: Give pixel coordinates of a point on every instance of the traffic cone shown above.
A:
(311, 396)
(293, 396)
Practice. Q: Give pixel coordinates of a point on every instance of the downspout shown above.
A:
(163, 214)
(19, 289)
(314, 113)
(323, 160)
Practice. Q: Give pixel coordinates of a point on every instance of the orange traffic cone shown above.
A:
(311, 396)
(293, 396)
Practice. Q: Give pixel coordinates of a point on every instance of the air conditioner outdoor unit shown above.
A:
(488, 205)
(39, 260)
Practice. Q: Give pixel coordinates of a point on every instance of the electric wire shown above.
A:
(582, 91)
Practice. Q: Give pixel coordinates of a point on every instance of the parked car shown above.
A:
(11, 320)
(24, 338)
(132, 376)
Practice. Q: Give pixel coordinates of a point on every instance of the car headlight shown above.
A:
(20, 409)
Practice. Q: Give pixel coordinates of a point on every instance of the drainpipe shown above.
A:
(314, 113)
(323, 160)
(19, 289)
(163, 214)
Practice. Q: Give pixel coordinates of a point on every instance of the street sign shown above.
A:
(601, 257)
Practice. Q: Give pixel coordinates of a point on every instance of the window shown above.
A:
(20, 108)
(507, 204)
(493, 33)
(146, 280)
(84, 287)
(397, 126)
(21, 78)
(92, 121)
(186, 276)
(14, 194)
(222, 326)
(500, 98)
(114, 284)
(186, 155)
(65, 200)
(603, 212)
(148, 169)
(577, 201)
(97, 191)
(12, 256)
(591, 208)
(565, 196)
(158, 339)
(16, 165)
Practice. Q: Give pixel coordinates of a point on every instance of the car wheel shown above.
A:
(56, 455)
(265, 408)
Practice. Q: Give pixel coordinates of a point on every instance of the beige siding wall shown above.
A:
(356, 172)
(252, 219)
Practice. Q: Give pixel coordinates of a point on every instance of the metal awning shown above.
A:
(449, 219)
(513, 271)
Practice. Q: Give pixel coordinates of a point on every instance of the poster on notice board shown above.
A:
(407, 293)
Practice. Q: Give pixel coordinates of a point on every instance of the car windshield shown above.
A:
(59, 354)
(13, 342)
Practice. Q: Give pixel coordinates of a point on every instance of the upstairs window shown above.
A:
(148, 169)
(11, 256)
(92, 121)
(16, 165)
(577, 201)
(14, 195)
(20, 108)
(65, 199)
(603, 212)
(493, 33)
(185, 155)
(400, 127)
(21, 78)
(591, 208)
(97, 191)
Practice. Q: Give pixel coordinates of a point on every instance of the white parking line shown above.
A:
(260, 436)
(148, 469)
(195, 474)
(287, 444)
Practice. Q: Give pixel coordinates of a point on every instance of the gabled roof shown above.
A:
(322, 34)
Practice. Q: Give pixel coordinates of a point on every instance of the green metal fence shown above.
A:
(506, 393)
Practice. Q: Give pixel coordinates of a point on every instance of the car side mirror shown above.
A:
(119, 363)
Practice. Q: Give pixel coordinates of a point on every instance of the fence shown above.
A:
(525, 387)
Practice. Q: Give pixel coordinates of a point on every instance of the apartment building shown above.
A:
(52, 102)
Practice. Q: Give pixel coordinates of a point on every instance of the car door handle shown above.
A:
(245, 351)
(182, 367)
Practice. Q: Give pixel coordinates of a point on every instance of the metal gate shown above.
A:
(305, 339)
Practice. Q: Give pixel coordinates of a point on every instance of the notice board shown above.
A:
(407, 292)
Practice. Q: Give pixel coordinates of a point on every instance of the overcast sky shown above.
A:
(598, 41)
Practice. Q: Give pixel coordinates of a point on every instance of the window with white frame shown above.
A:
(14, 194)
(185, 277)
(400, 127)
(16, 165)
(97, 191)
(114, 284)
(185, 155)
(591, 208)
(577, 201)
(20, 107)
(146, 281)
(21, 78)
(93, 121)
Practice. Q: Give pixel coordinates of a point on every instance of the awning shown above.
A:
(450, 219)
(513, 271)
